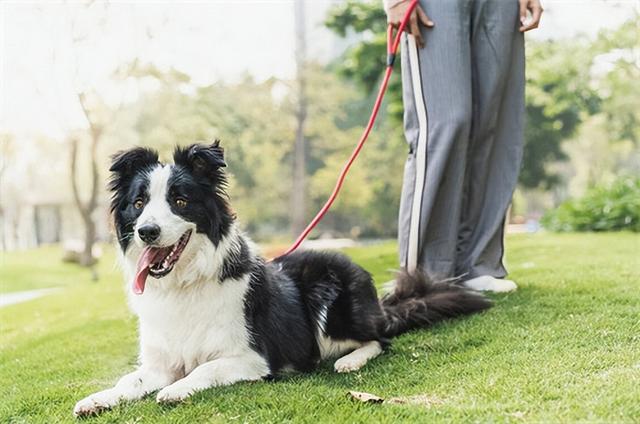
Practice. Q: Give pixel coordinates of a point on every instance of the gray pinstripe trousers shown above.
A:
(463, 95)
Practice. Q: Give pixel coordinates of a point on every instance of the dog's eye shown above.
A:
(181, 203)
(138, 204)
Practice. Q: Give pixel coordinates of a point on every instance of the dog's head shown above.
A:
(164, 213)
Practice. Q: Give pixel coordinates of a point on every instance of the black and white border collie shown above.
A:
(212, 312)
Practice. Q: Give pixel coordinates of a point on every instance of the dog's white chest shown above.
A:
(187, 327)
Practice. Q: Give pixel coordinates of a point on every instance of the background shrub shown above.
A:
(607, 208)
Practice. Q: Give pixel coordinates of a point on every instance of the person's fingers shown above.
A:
(535, 21)
(413, 24)
(536, 14)
(414, 29)
(523, 12)
(424, 18)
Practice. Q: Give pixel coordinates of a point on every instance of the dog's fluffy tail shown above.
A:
(418, 302)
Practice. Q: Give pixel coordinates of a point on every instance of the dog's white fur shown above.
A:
(193, 333)
(157, 210)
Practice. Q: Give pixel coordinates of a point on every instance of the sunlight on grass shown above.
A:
(44, 268)
(564, 347)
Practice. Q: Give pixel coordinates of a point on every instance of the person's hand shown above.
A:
(397, 12)
(535, 8)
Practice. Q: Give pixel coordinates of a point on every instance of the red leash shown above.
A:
(392, 48)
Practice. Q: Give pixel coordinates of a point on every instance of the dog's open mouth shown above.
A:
(158, 261)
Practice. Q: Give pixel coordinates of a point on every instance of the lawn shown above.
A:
(565, 347)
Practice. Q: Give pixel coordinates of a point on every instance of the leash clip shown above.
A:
(391, 55)
(391, 58)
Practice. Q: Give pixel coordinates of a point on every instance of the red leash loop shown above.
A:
(392, 48)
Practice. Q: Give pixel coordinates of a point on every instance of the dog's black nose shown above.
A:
(149, 232)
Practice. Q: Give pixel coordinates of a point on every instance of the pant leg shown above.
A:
(496, 145)
(437, 99)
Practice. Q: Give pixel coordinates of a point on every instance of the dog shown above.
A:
(212, 312)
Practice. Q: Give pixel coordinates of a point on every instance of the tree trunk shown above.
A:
(88, 259)
(299, 189)
(87, 210)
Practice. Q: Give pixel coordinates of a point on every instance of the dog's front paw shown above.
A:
(174, 393)
(94, 404)
(349, 364)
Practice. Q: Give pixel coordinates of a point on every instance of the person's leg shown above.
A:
(437, 100)
(495, 148)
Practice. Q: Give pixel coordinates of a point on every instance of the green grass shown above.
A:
(565, 347)
(42, 268)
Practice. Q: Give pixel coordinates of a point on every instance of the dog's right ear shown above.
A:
(123, 165)
(127, 162)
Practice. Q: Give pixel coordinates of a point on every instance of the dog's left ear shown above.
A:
(204, 160)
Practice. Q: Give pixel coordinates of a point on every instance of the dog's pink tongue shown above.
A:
(145, 261)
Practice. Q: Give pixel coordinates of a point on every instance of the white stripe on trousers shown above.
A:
(421, 155)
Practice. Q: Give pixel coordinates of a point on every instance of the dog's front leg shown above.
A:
(130, 387)
(219, 372)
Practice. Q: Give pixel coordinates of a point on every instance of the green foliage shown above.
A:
(610, 208)
(619, 87)
(255, 122)
(256, 133)
(558, 97)
(563, 348)
(365, 61)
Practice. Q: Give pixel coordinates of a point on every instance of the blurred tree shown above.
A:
(558, 98)
(6, 149)
(88, 208)
(88, 21)
(595, 158)
(6, 152)
(619, 87)
(99, 117)
(299, 189)
(607, 145)
(369, 199)
(256, 130)
(364, 61)
(95, 111)
(256, 123)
